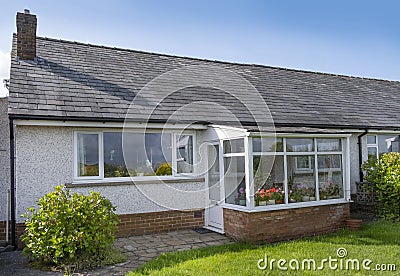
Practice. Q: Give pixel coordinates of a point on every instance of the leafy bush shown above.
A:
(164, 169)
(384, 177)
(70, 230)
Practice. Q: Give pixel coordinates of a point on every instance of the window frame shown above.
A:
(315, 153)
(100, 132)
(375, 145)
(174, 157)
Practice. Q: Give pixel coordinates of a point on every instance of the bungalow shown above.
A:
(256, 152)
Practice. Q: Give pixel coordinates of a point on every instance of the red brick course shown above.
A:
(157, 222)
(143, 223)
(280, 225)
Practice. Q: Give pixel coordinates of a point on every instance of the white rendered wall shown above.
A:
(4, 158)
(45, 159)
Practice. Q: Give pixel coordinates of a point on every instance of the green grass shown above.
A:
(378, 241)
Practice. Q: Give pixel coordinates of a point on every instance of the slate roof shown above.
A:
(77, 81)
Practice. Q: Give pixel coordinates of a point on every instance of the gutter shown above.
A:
(242, 124)
(360, 153)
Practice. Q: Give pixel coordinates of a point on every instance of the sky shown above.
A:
(357, 38)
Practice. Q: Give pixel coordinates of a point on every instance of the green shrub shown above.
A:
(384, 177)
(70, 230)
(164, 169)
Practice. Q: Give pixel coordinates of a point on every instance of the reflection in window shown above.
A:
(144, 154)
(234, 146)
(88, 154)
(269, 177)
(267, 145)
(328, 145)
(234, 180)
(301, 178)
(299, 144)
(184, 147)
(330, 178)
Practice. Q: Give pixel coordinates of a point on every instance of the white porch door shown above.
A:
(214, 212)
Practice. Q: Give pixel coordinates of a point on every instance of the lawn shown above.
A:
(378, 241)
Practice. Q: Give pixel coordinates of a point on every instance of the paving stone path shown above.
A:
(139, 249)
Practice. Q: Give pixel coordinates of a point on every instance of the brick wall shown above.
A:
(156, 222)
(147, 223)
(2, 230)
(279, 225)
(26, 35)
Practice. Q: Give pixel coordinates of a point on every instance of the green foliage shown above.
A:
(164, 169)
(70, 229)
(384, 177)
(111, 170)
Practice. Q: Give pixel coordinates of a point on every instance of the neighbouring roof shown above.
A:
(79, 81)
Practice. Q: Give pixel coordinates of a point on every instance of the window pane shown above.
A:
(299, 145)
(184, 146)
(147, 154)
(114, 162)
(329, 145)
(388, 143)
(234, 146)
(371, 139)
(267, 144)
(330, 176)
(268, 180)
(234, 180)
(372, 153)
(88, 154)
(301, 178)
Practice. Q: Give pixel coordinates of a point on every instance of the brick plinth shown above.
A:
(280, 225)
(144, 223)
(3, 230)
(156, 222)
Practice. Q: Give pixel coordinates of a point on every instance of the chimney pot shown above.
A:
(26, 35)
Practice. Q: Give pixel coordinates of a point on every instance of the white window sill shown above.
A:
(284, 206)
(134, 181)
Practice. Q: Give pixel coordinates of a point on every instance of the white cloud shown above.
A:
(5, 61)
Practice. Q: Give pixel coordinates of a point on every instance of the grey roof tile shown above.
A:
(89, 81)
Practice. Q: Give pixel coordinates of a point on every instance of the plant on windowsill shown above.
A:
(332, 191)
(294, 196)
(260, 197)
(240, 198)
(278, 195)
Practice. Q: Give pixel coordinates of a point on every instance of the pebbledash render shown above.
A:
(256, 152)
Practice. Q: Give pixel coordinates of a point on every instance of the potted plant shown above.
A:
(279, 195)
(270, 196)
(260, 198)
(241, 196)
(294, 196)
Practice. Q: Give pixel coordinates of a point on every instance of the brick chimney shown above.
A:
(26, 35)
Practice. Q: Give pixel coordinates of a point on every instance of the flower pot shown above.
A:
(312, 198)
(353, 224)
(305, 198)
(262, 203)
(292, 200)
(271, 202)
(242, 202)
(279, 201)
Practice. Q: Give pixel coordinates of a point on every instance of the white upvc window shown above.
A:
(115, 154)
(288, 170)
(378, 144)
